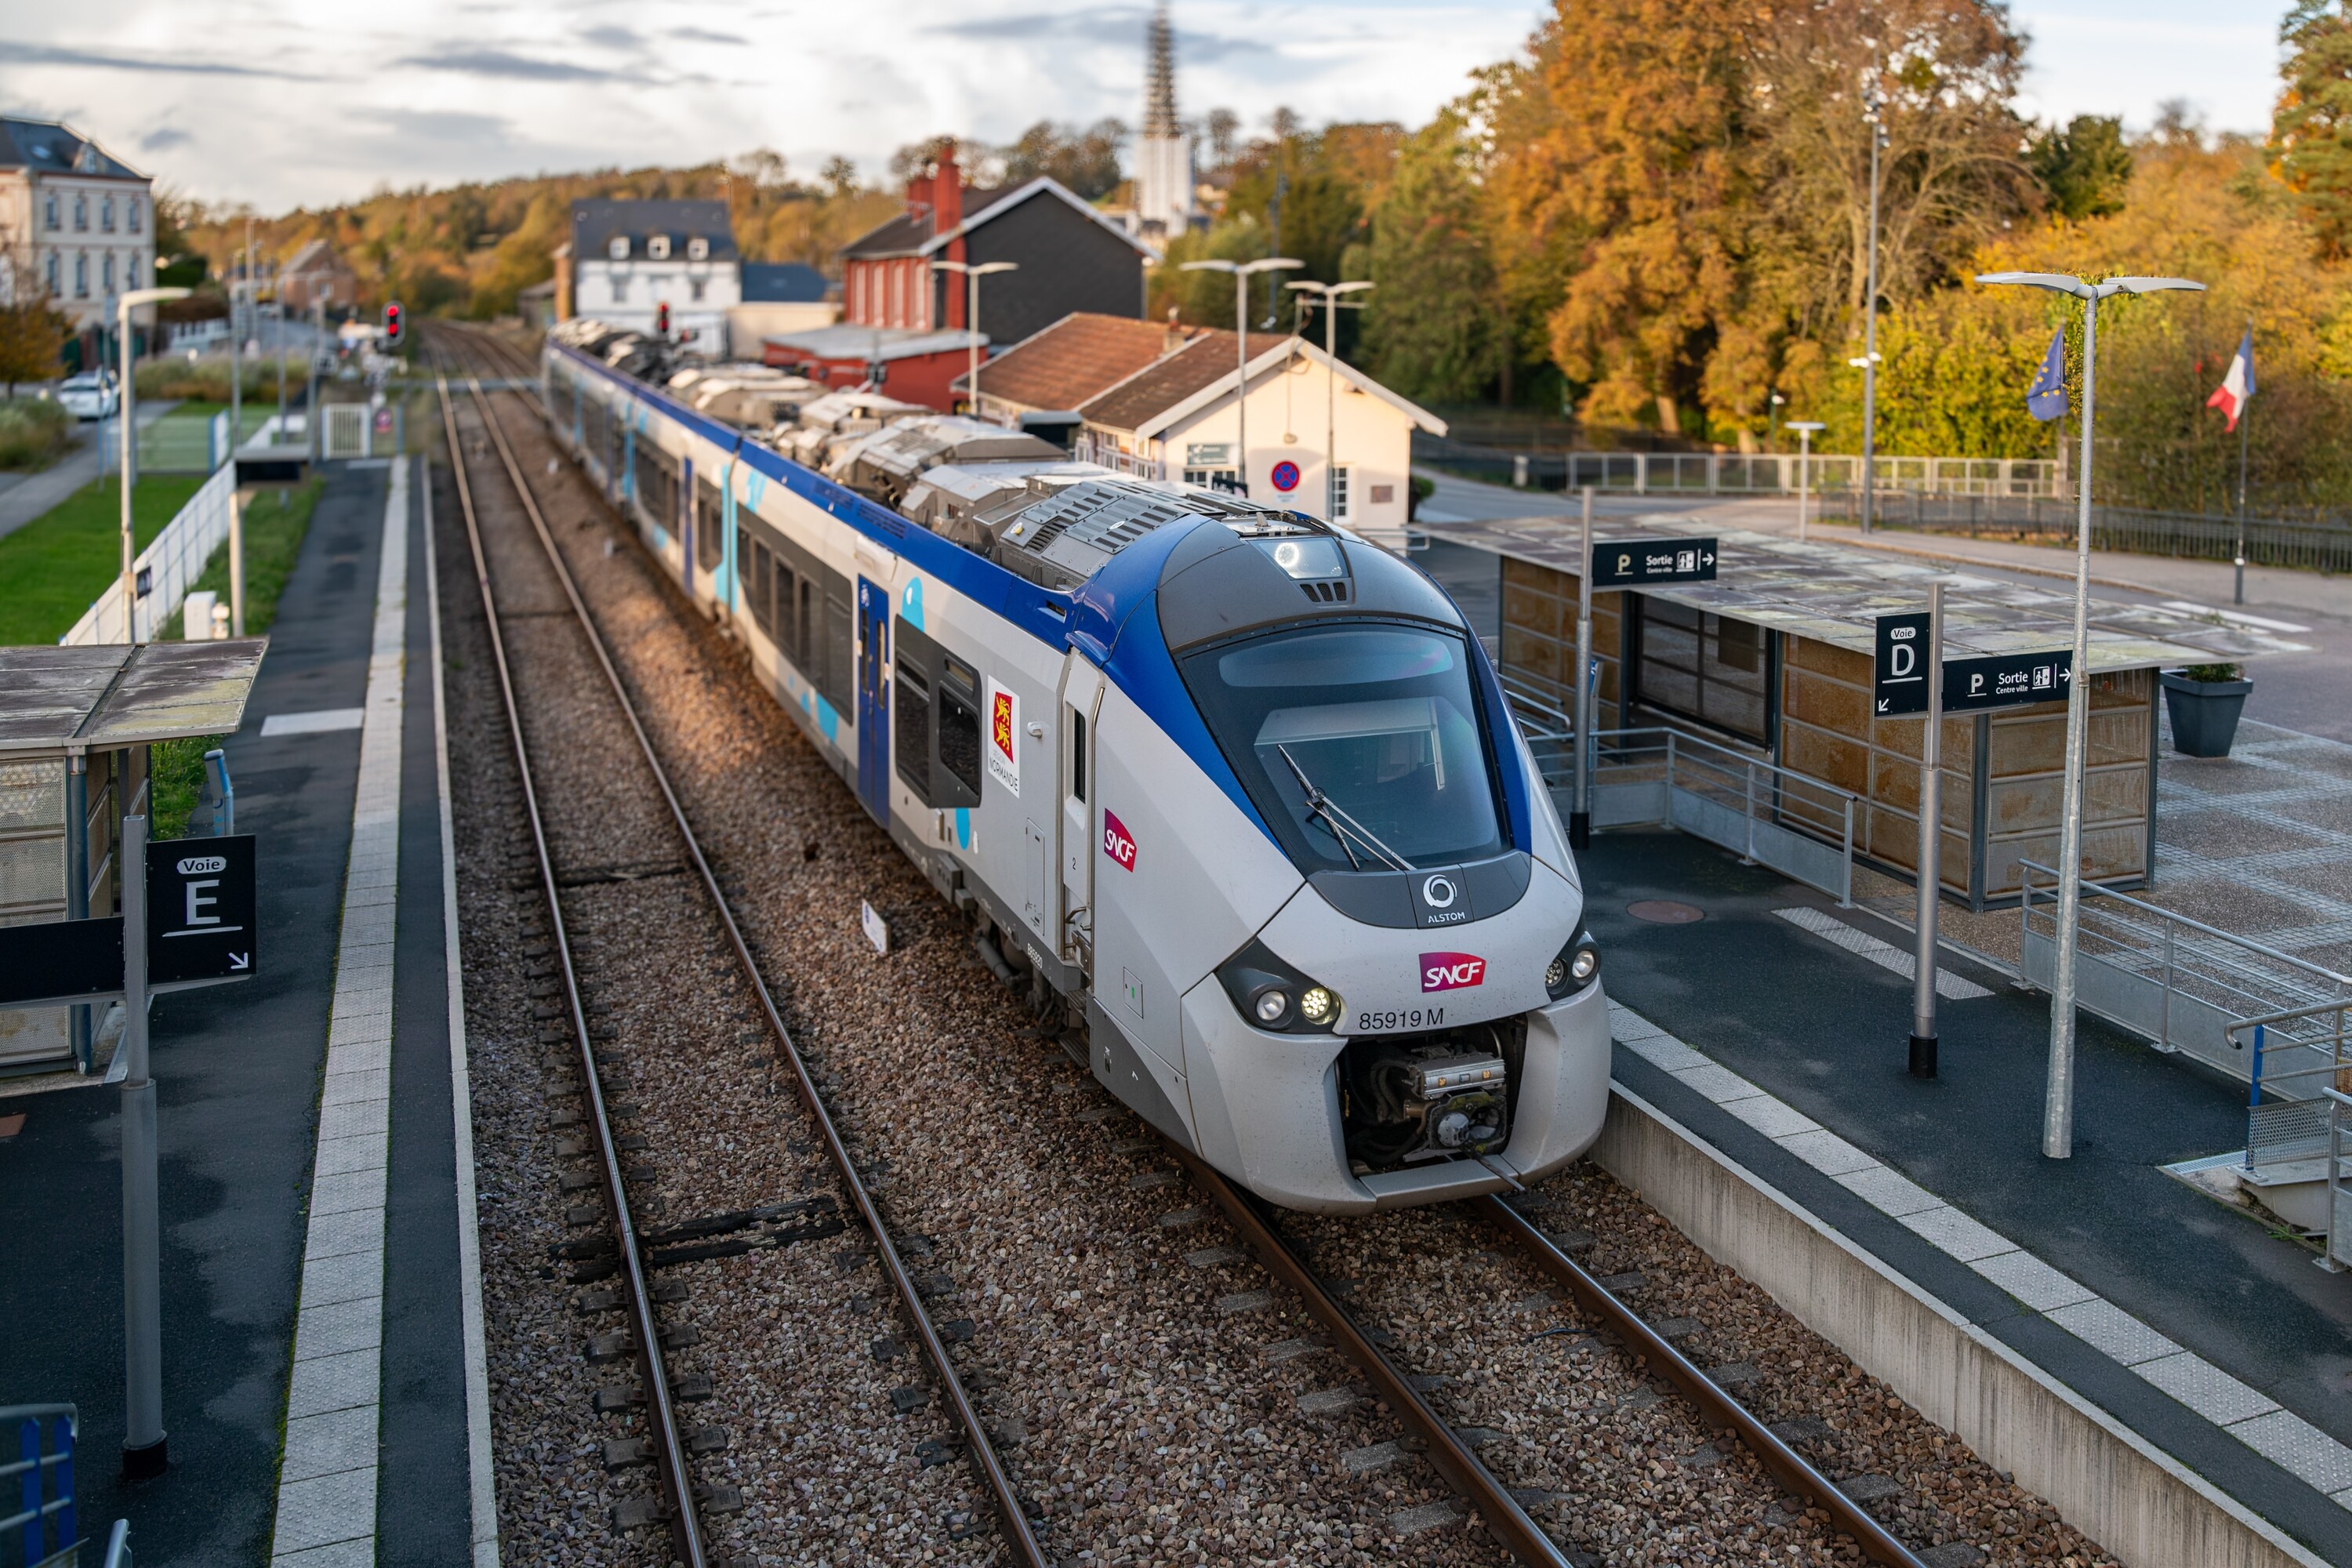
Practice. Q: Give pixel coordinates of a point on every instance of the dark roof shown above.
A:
(1199, 364)
(907, 234)
(118, 695)
(1076, 358)
(59, 149)
(782, 282)
(594, 223)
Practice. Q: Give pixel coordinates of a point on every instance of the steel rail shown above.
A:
(1453, 1458)
(983, 1457)
(1785, 1463)
(669, 1448)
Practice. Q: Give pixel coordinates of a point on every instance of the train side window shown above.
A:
(1075, 724)
(755, 558)
(709, 525)
(910, 712)
(840, 647)
(956, 779)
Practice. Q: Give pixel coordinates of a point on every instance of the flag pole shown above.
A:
(2245, 412)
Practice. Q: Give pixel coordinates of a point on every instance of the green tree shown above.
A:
(2311, 131)
(2082, 166)
(1436, 328)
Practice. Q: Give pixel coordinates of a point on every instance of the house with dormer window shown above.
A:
(627, 259)
(79, 221)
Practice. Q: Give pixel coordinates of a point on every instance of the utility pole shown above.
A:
(124, 305)
(2058, 1104)
(972, 276)
(2245, 413)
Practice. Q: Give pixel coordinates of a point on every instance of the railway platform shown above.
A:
(321, 1333)
(1772, 1026)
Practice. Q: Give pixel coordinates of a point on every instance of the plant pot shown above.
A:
(2204, 713)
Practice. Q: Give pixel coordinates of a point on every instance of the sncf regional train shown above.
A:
(1237, 791)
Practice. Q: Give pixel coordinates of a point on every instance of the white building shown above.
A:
(1163, 153)
(74, 220)
(1157, 402)
(628, 259)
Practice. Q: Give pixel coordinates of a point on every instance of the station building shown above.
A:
(626, 259)
(1160, 403)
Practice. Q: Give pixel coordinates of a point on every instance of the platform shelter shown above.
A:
(76, 726)
(1773, 659)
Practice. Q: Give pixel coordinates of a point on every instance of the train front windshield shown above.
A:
(1360, 744)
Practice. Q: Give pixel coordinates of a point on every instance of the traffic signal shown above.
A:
(394, 320)
(661, 319)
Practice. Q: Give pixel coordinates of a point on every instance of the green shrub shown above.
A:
(2213, 672)
(34, 433)
(206, 380)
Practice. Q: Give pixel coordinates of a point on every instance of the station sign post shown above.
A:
(1618, 564)
(1910, 675)
(187, 920)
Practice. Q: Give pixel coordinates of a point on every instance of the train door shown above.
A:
(688, 525)
(874, 699)
(1082, 687)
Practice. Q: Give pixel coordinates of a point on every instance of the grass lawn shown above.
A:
(275, 522)
(54, 567)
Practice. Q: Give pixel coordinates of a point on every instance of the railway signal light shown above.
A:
(661, 319)
(394, 321)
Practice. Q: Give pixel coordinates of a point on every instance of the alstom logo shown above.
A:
(1451, 971)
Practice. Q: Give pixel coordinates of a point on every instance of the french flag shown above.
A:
(2237, 388)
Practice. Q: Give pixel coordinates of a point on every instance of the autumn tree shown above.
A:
(2311, 132)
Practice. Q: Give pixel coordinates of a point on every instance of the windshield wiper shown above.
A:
(1343, 827)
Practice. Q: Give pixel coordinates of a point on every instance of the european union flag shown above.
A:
(2046, 398)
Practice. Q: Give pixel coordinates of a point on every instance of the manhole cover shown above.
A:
(1665, 912)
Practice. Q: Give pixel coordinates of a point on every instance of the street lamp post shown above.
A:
(2058, 1107)
(1804, 429)
(972, 277)
(1330, 294)
(1242, 271)
(1869, 360)
(123, 309)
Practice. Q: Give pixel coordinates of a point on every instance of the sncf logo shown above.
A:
(1118, 843)
(1451, 971)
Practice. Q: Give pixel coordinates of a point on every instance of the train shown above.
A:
(1234, 796)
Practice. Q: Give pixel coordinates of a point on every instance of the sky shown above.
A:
(286, 102)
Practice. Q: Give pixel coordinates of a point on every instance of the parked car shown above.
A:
(90, 395)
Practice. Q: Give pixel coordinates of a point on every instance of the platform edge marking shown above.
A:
(482, 1487)
(324, 1513)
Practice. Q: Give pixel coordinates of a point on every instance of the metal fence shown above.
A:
(39, 1484)
(2200, 536)
(1734, 473)
(165, 570)
(184, 444)
(1799, 827)
(2183, 985)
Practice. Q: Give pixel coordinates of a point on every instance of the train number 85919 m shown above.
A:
(1389, 1023)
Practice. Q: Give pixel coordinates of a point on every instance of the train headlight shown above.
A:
(1572, 968)
(1270, 995)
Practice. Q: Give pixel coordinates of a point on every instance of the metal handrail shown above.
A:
(34, 1512)
(118, 1545)
(2090, 888)
(2331, 1092)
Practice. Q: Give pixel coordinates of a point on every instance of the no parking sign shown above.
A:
(1285, 476)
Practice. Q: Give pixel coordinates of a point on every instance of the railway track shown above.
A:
(629, 1245)
(1450, 1453)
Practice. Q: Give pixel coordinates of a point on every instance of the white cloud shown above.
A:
(286, 101)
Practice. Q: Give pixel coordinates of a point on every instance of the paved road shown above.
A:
(2308, 691)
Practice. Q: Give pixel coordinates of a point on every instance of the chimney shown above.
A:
(947, 192)
(1173, 337)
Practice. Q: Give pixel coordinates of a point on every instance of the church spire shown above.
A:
(1159, 87)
